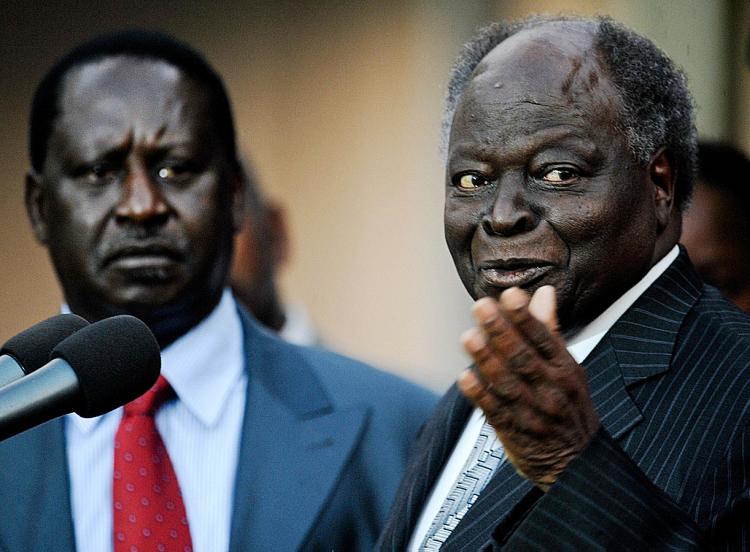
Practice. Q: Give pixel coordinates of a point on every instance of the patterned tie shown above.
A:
(149, 515)
(484, 459)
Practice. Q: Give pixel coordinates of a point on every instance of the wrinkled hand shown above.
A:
(531, 390)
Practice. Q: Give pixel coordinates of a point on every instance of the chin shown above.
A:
(143, 296)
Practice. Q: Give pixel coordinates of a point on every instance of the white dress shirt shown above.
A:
(579, 347)
(201, 430)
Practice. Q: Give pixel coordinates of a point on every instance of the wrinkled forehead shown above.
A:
(107, 102)
(553, 64)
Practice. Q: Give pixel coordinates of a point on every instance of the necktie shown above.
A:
(149, 515)
(484, 459)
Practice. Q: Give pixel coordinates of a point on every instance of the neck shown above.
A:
(167, 322)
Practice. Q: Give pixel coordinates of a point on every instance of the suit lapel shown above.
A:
(294, 445)
(640, 345)
(35, 490)
(645, 336)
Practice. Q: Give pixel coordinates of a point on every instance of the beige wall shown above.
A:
(338, 104)
(739, 91)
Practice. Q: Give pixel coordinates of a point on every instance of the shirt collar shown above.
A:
(582, 343)
(203, 365)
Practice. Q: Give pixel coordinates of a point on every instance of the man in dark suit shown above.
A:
(135, 191)
(611, 407)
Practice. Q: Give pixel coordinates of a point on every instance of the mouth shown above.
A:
(143, 256)
(505, 273)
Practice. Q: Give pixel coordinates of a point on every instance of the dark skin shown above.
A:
(543, 199)
(260, 248)
(715, 232)
(137, 201)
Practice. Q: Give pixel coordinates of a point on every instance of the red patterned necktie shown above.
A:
(149, 515)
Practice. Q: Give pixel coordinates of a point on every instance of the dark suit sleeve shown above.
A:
(603, 501)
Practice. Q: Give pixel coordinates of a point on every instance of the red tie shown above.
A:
(149, 515)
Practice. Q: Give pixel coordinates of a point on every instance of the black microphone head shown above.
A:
(32, 347)
(116, 360)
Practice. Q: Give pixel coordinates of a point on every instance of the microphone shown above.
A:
(29, 350)
(95, 370)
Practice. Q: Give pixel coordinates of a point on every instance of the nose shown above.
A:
(510, 213)
(141, 201)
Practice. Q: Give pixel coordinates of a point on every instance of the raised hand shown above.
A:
(531, 390)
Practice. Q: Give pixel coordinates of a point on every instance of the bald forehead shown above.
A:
(141, 95)
(115, 103)
(570, 38)
(125, 77)
(125, 71)
(554, 64)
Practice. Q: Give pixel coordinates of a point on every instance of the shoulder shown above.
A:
(348, 379)
(680, 290)
(345, 381)
(716, 328)
(712, 354)
(395, 408)
(712, 308)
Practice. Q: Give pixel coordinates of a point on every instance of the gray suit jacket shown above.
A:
(324, 444)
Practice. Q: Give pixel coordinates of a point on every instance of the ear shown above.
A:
(662, 177)
(36, 205)
(277, 232)
(238, 203)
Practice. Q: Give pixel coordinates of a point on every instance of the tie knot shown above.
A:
(148, 403)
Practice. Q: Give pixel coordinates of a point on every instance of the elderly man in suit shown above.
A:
(609, 410)
(247, 442)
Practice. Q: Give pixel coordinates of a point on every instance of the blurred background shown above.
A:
(338, 105)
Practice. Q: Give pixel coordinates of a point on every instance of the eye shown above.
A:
(174, 172)
(469, 181)
(560, 175)
(166, 173)
(98, 174)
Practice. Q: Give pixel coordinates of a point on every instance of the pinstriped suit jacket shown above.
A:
(670, 468)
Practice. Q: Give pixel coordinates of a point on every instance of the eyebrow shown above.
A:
(545, 138)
